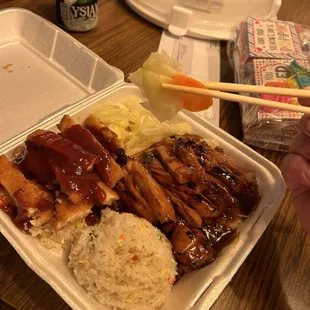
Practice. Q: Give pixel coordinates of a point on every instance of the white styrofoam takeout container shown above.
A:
(196, 290)
(203, 19)
(43, 69)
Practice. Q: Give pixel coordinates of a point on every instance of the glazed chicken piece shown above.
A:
(157, 169)
(225, 160)
(151, 191)
(107, 138)
(32, 202)
(202, 205)
(241, 182)
(190, 216)
(183, 150)
(107, 168)
(231, 219)
(216, 191)
(202, 182)
(247, 191)
(209, 199)
(180, 172)
(190, 247)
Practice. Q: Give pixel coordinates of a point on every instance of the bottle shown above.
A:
(77, 15)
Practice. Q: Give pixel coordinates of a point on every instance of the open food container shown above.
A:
(82, 74)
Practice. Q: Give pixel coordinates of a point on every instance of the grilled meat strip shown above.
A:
(240, 181)
(187, 213)
(134, 202)
(202, 182)
(146, 211)
(152, 192)
(209, 200)
(180, 172)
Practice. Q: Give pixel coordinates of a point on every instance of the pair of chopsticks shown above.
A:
(219, 90)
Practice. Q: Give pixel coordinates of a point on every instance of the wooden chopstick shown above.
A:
(238, 98)
(256, 89)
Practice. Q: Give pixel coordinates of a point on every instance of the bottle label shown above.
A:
(78, 15)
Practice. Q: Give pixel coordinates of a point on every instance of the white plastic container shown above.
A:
(43, 69)
(196, 290)
(203, 19)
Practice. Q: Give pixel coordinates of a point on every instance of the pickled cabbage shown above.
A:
(136, 127)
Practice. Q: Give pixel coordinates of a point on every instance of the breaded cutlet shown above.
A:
(107, 168)
(67, 212)
(31, 200)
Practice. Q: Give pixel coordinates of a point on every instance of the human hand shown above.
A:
(296, 169)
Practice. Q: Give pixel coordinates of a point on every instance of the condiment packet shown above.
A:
(271, 53)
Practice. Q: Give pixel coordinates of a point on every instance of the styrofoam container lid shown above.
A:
(204, 19)
(43, 70)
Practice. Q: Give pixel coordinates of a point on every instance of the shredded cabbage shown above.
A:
(136, 127)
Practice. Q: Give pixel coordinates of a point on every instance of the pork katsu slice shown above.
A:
(62, 149)
(31, 200)
(36, 165)
(42, 217)
(67, 212)
(107, 168)
(71, 164)
(107, 138)
(177, 169)
(151, 191)
(110, 194)
(87, 186)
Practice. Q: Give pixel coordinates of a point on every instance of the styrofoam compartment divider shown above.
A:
(43, 70)
(197, 290)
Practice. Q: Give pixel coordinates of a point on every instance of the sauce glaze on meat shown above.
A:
(195, 194)
(209, 193)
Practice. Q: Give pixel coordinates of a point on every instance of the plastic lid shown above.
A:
(205, 19)
(43, 70)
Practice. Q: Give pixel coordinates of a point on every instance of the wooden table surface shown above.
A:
(276, 275)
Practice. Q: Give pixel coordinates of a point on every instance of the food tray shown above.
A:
(197, 290)
(42, 70)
